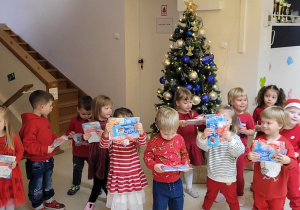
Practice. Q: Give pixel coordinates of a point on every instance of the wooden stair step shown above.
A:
(66, 118)
(33, 54)
(67, 95)
(67, 104)
(8, 31)
(67, 110)
(53, 72)
(62, 83)
(15, 37)
(24, 45)
(42, 62)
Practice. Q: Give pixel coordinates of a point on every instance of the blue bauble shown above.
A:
(211, 56)
(210, 79)
(177, 30)
(205, 60)
(197, 88)
(189, 87)
(162, 80)
(211, 62)
(185, 59)
(204, 98)
(189, 33)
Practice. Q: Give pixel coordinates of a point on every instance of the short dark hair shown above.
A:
(85, 102)
(40, 97)
(123, 111)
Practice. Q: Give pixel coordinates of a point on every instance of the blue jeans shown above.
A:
(39, 174)
(167, 194)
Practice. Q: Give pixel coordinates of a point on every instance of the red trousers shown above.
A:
(262, 203)
(240, 182)
(229, 191)
(293, 193)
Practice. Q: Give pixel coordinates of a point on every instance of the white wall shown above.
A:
(77, 37)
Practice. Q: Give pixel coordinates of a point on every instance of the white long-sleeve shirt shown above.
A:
(221, 163)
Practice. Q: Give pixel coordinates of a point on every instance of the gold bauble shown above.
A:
(166, 62)
(213, 95)
(201, 31)
(215, 87)
(196, 100)
(167, 95)
(193, 75)
(179, 43)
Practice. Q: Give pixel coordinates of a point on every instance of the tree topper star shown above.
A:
(191, 7)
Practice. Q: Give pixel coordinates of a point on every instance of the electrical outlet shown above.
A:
(11, 77)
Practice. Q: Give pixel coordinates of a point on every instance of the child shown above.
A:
(267, 96)
(183, 100)
(270, 178)
(291, 131)
(221, 161)
(37, 137)
(237, 98)
(12, 189)
(81, 153)
(99, 160)
(126, 178)
(166, 148)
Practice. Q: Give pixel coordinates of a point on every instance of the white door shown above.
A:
(153, 47)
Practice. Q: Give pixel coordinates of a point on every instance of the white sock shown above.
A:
(39, 207)
(188, 177)
(49, 200)
(11, 207)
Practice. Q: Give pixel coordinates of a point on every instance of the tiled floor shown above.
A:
(62, 179)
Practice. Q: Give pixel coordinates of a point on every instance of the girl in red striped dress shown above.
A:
(126, 178)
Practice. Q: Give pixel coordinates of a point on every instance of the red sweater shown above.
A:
(168, 152)
(76, 126)
(248, 123)
(293, 135)
(36, 135)
(268, 187)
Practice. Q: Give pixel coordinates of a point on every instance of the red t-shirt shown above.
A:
(293, 135)
(76, 126)
(168, 152)
(248, 123)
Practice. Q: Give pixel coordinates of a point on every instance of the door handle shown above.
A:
(141, 61)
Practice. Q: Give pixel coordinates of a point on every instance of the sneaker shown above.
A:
(73, 189)
(192, 192)
(219, 197)
(89, 206)
(241, 200)
(54, 205)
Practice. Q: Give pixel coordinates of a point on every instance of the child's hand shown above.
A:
(13, 165)
(139, 127)
(252, 156)
(227, 135)
(187, 169)
(50, 149)
(86, 136)
(283, 159)
(158, 169)
(108, 128)
(206, 133)
(182, 123)
(242, 130)
(258, 128)
(296, 154)
(70, 136)
(99, 132)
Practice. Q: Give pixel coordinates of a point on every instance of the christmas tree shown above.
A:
(190, 64)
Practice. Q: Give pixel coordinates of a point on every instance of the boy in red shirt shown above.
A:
(36, 135)
(81, 153)
(166, 148)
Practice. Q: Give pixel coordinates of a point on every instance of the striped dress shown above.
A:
(125, 173)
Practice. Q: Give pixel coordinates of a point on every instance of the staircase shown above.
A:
(68, 92)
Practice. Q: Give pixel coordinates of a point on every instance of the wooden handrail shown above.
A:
(17, 95)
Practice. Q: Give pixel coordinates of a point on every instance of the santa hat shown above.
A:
(292, 103)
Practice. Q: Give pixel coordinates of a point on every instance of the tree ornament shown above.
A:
(205, 98)
(211, 62)
(191, 7)
(162, 80)
(196, 100)
(205, 59)
(189, 33)
(167, 95)
(210, 79)
(177, 30)
(215, 87)
(201, 31)
(166, 62)
(188, 86)
(195, 25)
(160, 91)
(197, 88)
(211, 56)
(193, 75)
(185, 59)
(179, 43)
(189, 49)
(213, 95)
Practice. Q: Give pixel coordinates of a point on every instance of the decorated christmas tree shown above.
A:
(190, 64)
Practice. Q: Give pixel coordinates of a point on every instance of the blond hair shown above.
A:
(182, 94)
(276, 113)
(234, 93)
(8, 130)
(234, 128)
(167, 119)
(97, 104)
